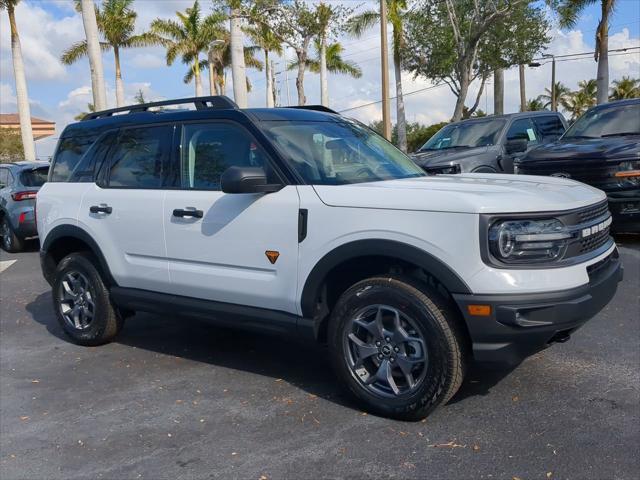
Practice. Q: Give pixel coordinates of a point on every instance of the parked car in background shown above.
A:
(488, 144)
(602, 148)
(19, 185)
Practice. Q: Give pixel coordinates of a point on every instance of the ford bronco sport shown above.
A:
(300, 221)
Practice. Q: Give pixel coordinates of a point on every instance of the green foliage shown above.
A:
(139, 97)
(81, 115)
(11, 149)
(562, 93)
(335, 62)
(626, 87)
(535, 104)
(417, 134)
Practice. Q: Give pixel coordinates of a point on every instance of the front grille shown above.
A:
(594, 241)
(594, 173)
(593, 212)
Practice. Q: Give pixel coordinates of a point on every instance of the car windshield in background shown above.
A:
(477, 133)
(338, 153)
(607, 122)
(35, 177)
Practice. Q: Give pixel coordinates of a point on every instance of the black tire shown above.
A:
(433, 319)
(10, 241)
(106, 322)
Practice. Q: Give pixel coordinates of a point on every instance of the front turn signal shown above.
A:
(479, 310)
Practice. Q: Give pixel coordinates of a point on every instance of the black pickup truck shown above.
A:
(602, 149)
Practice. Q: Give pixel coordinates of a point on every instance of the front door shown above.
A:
(233, 248)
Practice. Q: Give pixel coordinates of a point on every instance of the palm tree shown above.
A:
(116, 22)
(396, 13)
(334, 61)
(569, 11)
(22, 95)
(626, 87)
(90, 109)
(221, 62)
(562, 91)
(188, 38)
(88, 9)
(535, 104)
(264, 38)
(582, 99)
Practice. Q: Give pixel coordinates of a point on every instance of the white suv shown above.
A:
(300, 221)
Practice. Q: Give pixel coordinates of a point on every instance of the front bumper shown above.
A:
(521, 325)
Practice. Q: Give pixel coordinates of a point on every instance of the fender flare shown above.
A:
(72, 231)
(388, 248)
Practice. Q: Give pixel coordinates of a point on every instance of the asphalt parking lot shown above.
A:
(174, 399)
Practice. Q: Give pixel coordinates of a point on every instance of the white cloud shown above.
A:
(147, 60)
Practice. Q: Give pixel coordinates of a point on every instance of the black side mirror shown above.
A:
(246, 180)
(516, 146)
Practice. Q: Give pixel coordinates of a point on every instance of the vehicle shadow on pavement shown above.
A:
(304, 365)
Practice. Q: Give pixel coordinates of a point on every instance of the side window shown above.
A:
(522, 129)
(70, 151)
(4, 177)
(550, 127)
(87, 168)
(139, 158)
(207, 150)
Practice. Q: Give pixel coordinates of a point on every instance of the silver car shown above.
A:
(19, 184)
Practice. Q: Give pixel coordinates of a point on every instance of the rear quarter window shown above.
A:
(35, 177)
(69, 153)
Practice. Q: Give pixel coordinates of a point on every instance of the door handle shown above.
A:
(187, 213)
(100, 209)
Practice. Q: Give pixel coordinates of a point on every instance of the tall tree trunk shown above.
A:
(267, 72)
(222, 82)
(197, 77)
(602, 54)
(238, 69)
(302, 61)
(462, 95)
(272, 69)
(523, 92)
(119, 84)
(401, 121)
(213, 87)
(498, 91)
(94, 53)
(324, 86)
(22, 95)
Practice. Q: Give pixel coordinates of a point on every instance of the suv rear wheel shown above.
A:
(10, 241)
(81, 301)
(395, 345)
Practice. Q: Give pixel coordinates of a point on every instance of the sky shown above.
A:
(58, 92)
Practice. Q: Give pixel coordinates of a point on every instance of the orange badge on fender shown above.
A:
(272, 255)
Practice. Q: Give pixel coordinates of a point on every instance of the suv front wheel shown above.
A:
(81, 301)
(396, 346)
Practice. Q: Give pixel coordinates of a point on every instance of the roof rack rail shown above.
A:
(216, 102)
(317, 108)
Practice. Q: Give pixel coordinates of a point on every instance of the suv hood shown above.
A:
(611, 149)
(447, 156)
(464, 193)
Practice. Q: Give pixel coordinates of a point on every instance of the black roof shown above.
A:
(218, 107)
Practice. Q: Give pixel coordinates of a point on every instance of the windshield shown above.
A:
(35, 177)
(607, 122)
(477, 133)
(339, 153)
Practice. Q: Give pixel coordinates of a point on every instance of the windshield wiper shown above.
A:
(621, 134)
(447, 148)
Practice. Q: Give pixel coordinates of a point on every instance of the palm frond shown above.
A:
(358, 24)
(79, 50)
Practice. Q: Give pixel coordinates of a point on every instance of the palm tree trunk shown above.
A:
(197, 77)
(324, 87)
(523, 93)
(272, 68)
(302, 61)
(21, 89)
(401, 120)
(498, 91)
(269, 85)
(238, 69)
(119, 84)
(95, 55)
(213, 87)
(602, 45)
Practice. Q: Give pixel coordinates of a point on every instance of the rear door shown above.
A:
(122, 211)
(232, 248)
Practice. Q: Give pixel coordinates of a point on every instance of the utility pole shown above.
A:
(386, 111)
(554, 100)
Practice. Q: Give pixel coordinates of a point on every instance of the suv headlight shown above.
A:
(444, 170)
(528, 241)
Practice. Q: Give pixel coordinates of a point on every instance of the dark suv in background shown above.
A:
(602, 149)
(19, 185)
(488, 144)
